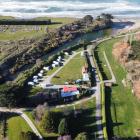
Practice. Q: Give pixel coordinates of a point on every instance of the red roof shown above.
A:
(69, 89)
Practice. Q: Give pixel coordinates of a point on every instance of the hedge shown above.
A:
(103, 113)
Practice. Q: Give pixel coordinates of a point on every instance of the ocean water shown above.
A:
(69, 8)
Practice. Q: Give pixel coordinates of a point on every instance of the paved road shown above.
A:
(25, 117)
(99, 134)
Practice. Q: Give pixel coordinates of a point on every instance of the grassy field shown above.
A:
(6, 17)
(15, 125)
(20, 35)
(71, 71)
(85, 123)
(8, 35)
(122, 108)
(50, 72)
(60, 20)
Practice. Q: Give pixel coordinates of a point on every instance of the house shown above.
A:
(84, 69)
(85, 77)
(85, 73)
(69, 92)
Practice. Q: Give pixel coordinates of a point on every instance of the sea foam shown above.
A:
(63, 8)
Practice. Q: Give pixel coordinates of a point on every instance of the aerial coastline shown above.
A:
(69, 70)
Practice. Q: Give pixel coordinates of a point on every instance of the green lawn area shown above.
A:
(50, 72)
(122, 108)
(71, 71)
(62, 20)
(15, 125)
(26, 34)
(84, 123)
(19, 35)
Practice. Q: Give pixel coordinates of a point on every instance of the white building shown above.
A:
(85, 77)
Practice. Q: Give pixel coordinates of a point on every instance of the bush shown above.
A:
(47, 122)
(63, 127)
(82, 136)
(28, 136)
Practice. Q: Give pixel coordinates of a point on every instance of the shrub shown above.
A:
(47, 122)
(82, 136)
(63, 127)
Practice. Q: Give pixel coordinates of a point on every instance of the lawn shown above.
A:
(122, 108)
(20, 35)
(85, 122)
(60, 20)
(15, 125)
(8, 35)
(71, 71)
(51, 71)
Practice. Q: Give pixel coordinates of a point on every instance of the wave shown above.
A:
(61, 8)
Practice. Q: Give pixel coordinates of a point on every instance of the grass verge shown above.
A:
(16, 125)
(123, 107)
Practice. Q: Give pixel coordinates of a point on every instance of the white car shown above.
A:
(31, 83)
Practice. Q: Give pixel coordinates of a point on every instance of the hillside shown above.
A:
(128, 55)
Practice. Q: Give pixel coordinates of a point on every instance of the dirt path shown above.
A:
(113, 79)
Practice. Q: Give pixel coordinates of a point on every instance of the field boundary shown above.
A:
(103, 114)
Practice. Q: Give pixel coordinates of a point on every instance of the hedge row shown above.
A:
(103, 113)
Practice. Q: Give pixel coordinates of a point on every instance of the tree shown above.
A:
(47, 122)
(88, 19)
(82, 136)
(98, 18)
(63, 127)
(7, 96)
(28, 136)
(107, 17)
(40, 111)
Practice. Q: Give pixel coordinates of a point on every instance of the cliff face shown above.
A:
(126, 55)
